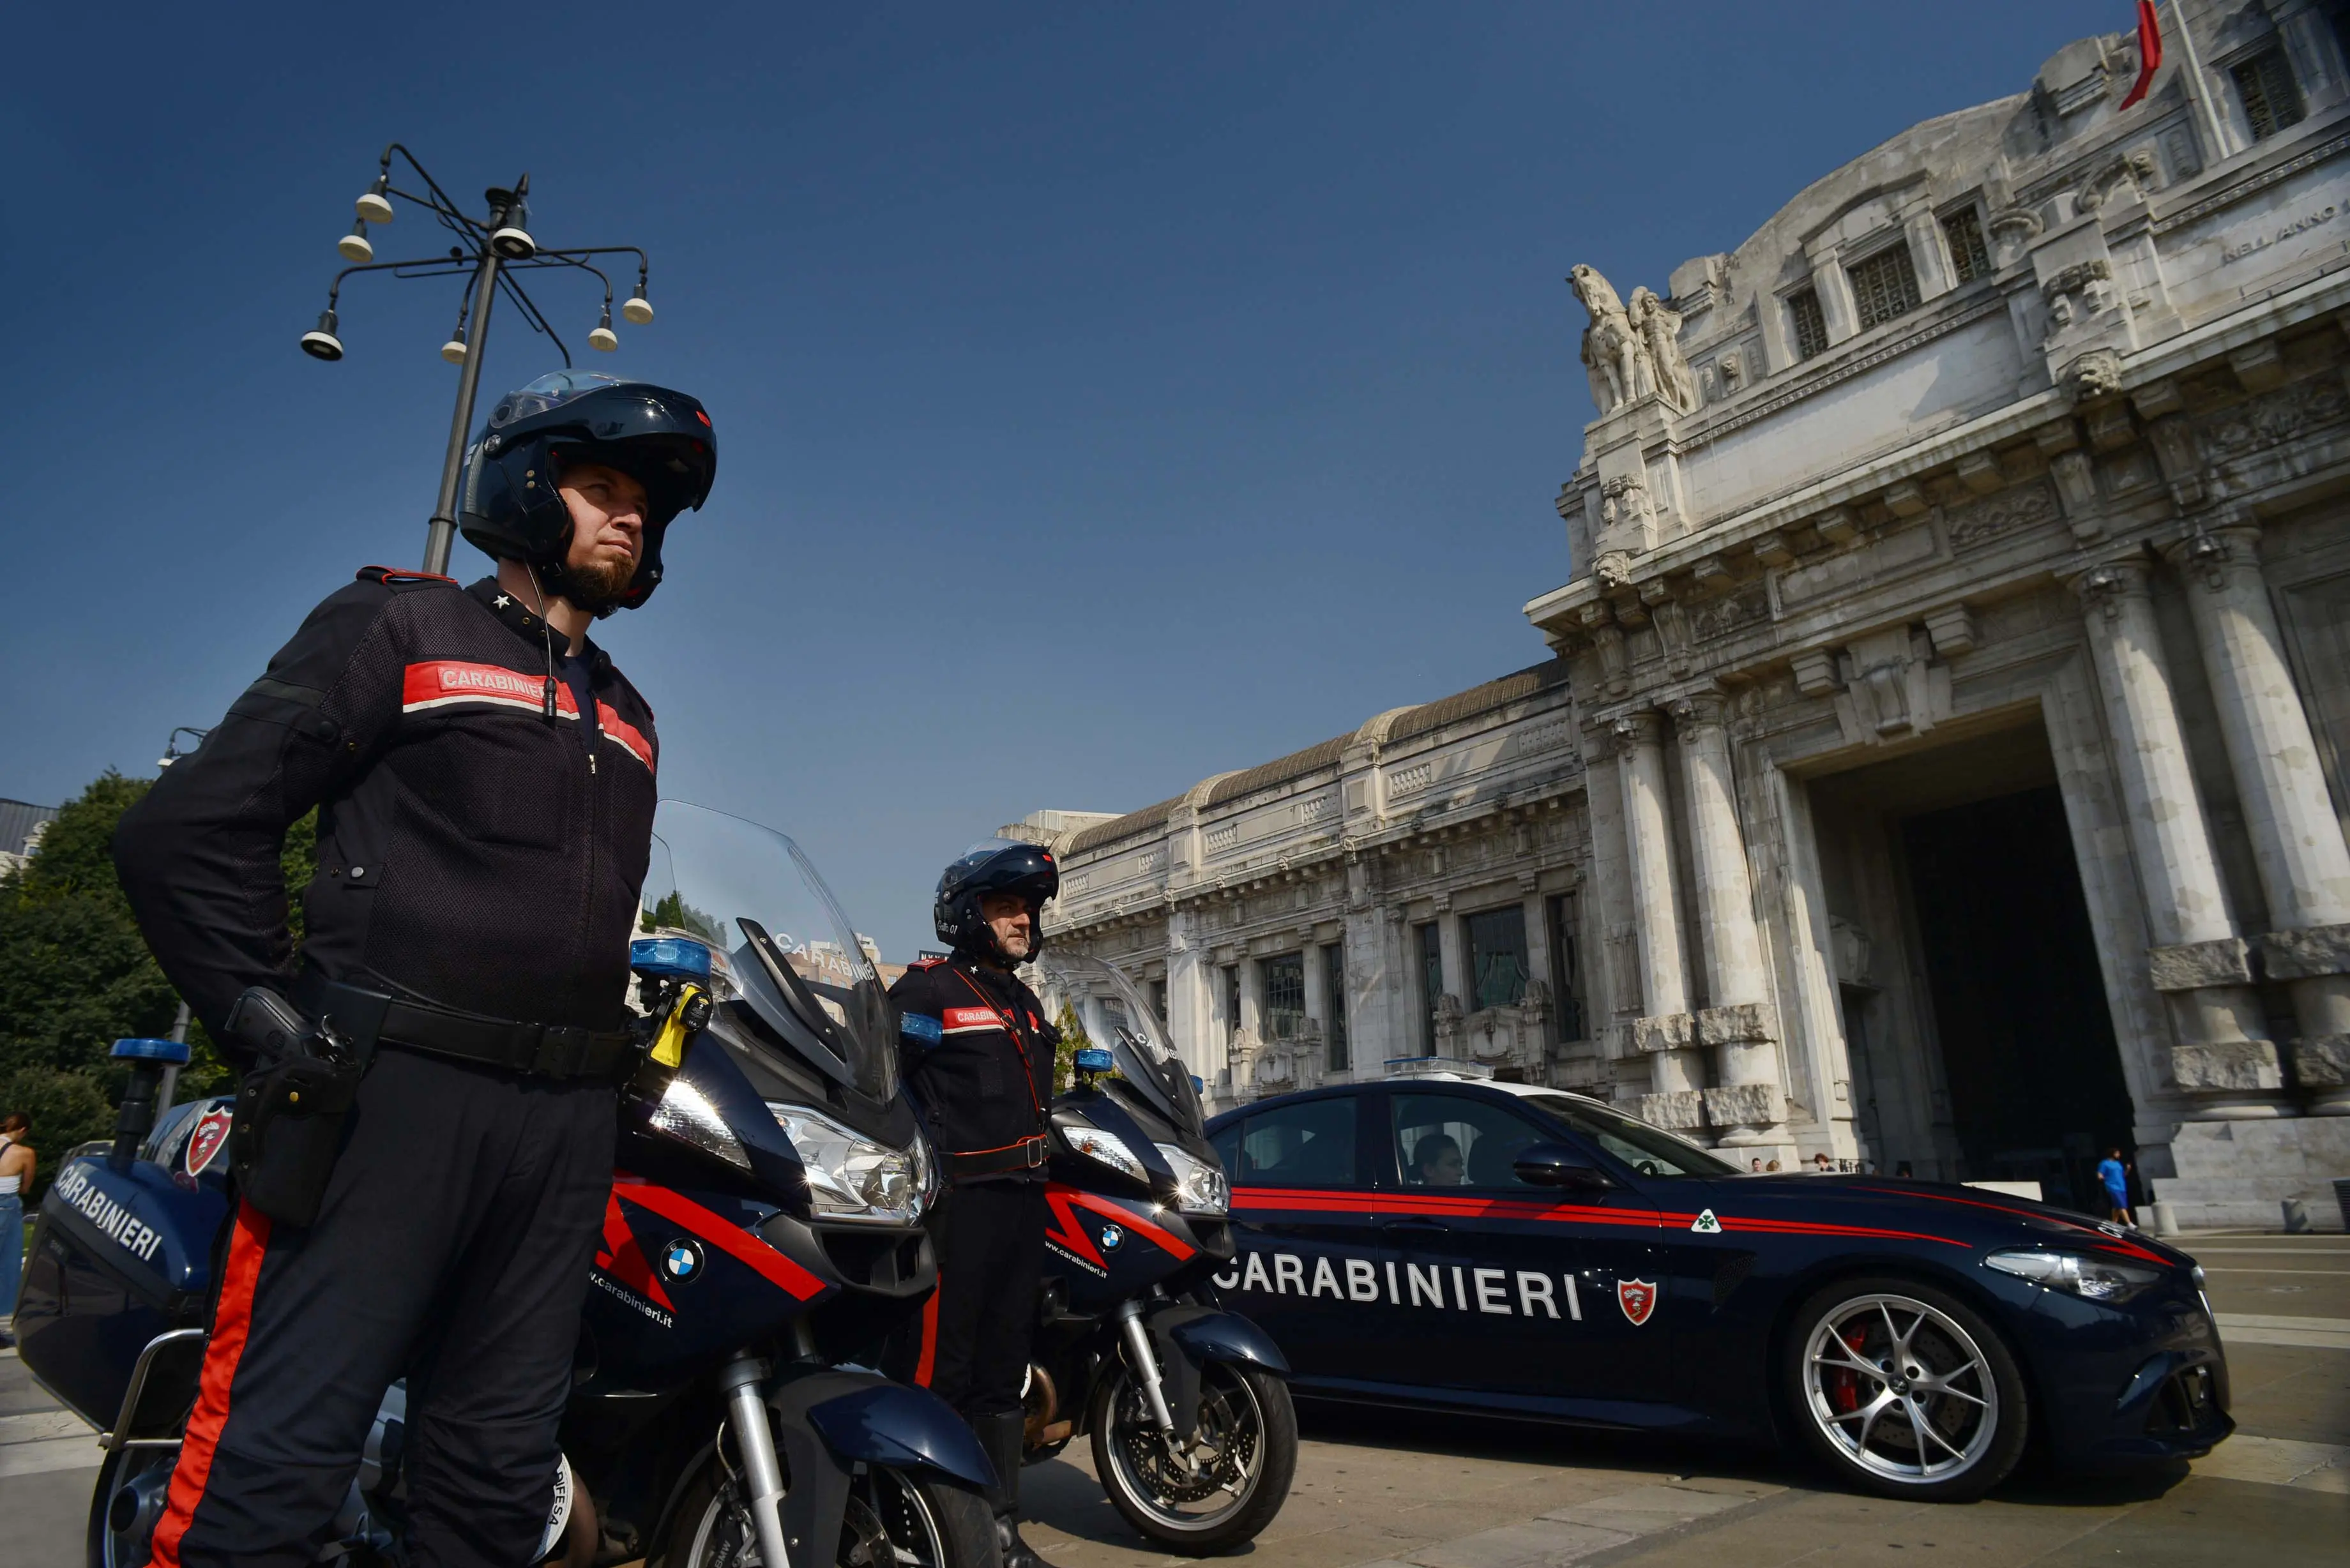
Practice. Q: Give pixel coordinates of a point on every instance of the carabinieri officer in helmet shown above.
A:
(978, 1053)
(484, 778)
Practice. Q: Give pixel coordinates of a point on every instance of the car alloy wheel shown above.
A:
(1909, 1391)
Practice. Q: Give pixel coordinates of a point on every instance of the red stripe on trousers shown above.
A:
(230, 1323)
(930, 1336)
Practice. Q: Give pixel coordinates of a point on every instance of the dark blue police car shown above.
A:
(1448, 1242)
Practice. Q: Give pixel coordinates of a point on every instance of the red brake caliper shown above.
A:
(1844, 1382)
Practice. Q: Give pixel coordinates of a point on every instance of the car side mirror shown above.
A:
(1555, 1165)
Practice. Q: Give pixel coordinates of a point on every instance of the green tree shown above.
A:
(1065, 1055)
(75, 975)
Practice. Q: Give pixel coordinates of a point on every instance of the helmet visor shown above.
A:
(779, 941)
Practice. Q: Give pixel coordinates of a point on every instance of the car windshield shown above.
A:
(1651, 1151)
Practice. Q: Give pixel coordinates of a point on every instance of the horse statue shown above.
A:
(1611, 347)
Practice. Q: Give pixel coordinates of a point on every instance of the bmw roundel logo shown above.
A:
(681, 1259)
(1111, 1237)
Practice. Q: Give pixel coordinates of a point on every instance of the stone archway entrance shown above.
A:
(1975, 1021)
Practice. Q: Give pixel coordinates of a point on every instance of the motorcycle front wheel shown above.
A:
(896, 1519)
(1215, 1491)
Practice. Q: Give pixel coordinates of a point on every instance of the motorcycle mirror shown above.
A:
(1555, 1165)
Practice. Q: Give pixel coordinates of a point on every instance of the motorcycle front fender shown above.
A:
(830, 1420)
(1189, 1338)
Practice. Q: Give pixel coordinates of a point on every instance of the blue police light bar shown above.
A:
(1199, 1084)
(171, 1052)
(1094, 1059)
(667, 958)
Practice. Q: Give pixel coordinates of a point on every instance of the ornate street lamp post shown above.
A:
(491, 251)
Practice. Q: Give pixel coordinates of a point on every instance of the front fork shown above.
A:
(1146, 1364)
(755, 1438)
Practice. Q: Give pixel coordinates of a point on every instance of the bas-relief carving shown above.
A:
(1893, 549)
(1721, 617)
(1977, 522)
(2275, 417)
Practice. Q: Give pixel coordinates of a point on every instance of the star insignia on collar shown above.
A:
(500, 601)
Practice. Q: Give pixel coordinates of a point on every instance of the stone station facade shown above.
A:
(1962, 582)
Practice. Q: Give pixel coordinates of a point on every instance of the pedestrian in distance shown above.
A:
(978, 1059)
(1755, 1164)
(424, 1130)
(1822, 1164)
(17, 1171)
(2114, 1175)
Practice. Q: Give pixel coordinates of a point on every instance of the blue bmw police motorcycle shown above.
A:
(762, 1240)
(1193, 1433)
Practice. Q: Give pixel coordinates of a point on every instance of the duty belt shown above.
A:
(1028, 1154)
(559, 1051)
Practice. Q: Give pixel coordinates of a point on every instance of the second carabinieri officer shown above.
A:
(423, 1141)
(978, 1055)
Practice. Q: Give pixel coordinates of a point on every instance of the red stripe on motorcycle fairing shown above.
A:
(2091, 1235)
(928, 1363)
(720, 1232)
(231, 1322)
(1166, 1239)
(1071, 1234)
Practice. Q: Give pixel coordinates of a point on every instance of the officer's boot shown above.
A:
(1006, 1439)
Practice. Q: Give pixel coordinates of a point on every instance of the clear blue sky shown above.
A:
(1107, 395)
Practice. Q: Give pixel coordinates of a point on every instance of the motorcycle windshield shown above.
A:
(1116, 1014)
(778, 940)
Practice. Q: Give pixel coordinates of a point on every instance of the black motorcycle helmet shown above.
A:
(993, 865)
(512, 508)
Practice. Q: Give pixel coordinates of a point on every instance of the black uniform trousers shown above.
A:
(978, 1327)
(454, 1247)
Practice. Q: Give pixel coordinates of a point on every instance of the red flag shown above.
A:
(2150, 52)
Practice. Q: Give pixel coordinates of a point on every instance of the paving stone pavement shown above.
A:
(1380, 1490)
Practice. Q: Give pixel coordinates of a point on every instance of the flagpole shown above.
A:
(2192, 83)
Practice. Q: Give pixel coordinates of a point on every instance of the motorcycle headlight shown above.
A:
(1106, 1148)
(685, 1115)
(1200, 1183)
(2081, 1274)
(852, 1177)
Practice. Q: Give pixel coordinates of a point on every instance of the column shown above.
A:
(1317, 999)
(1746, 1103)
(1675, 1071)
(1191, 999)
(1454, 961)
(2197, 961)
(2304, 866)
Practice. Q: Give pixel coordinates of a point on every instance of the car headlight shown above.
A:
(686, 1115)
(850, 1177)
(1200, 1183)
(1084, 1137)
(2081, 1274)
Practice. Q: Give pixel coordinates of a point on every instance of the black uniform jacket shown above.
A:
(984, 1082)
(472, 853)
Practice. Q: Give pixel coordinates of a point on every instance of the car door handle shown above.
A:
(1424, 1227)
